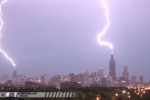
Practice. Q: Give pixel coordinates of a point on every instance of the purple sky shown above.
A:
(60, 36)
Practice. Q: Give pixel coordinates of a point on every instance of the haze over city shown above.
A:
(60, 36)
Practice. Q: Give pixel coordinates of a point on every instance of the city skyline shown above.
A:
(57, 37)
(86, 78)
(100, 72)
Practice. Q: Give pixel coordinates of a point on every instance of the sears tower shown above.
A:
(112, 68)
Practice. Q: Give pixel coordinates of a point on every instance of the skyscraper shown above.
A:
(141, 79)
(44, 79)
(125, 74)
(112, 68)
(72, 77)
(133, 79)
(14, 77)
(100, 73)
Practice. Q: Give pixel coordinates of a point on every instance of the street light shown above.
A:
(116, 94)
(124, 91)
(98, 97)
(129, 96)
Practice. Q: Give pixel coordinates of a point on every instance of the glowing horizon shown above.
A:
(1, 25)
(100, 35)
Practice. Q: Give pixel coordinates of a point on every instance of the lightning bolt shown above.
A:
(100, 35)
(1, 25)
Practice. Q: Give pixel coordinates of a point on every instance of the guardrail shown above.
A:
(39, 94)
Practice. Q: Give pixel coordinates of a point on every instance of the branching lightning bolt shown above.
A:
(1, 25)
(100, 35)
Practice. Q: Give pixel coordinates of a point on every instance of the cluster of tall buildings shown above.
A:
(86, 78)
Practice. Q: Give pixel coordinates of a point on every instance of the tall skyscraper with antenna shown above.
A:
(112, 67)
